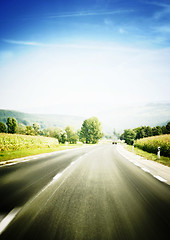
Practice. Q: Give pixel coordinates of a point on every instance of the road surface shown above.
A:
(92, 193)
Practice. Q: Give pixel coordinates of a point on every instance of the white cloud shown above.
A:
(27, 43)
(90, 13)
(122, 31)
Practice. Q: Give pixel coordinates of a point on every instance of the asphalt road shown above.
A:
(91, 194)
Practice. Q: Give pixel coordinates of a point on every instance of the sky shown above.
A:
(84, 58)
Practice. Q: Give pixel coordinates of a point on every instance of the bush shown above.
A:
(2, 127)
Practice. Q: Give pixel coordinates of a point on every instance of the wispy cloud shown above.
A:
(27, 43)
(89, 13)
(91, 45)
(164, 11)
(162, 29)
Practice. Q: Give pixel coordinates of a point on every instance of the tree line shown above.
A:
(90, 132)
(130, 135)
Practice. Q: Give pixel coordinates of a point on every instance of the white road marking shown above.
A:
(136, 164)
(57, 176)
(143, 168)
(5, 222)
(160, 178)
(146, 170)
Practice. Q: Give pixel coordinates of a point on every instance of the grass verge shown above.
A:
(149, 156)
(16, 146)
(9, 155)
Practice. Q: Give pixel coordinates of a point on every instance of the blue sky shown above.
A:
(143, 23)
(62, 55)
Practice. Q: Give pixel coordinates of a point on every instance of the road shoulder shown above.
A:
(157, 170)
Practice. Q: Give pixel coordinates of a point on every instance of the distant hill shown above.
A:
(45, 120)
(135, 116)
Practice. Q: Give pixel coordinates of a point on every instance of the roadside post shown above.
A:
(133, 147)
(159, 153)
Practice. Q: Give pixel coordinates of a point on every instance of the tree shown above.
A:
(148, 131)
(140, 133)
(9, 125)
(58, 133)
(30, 130)
(164, 130)
(21, 129)
(91, 130)
(14, 125)
(70, 132)
(129, 136)
(72, 137)
(36, 128)
(2, 127)
(156, 130)
(168, 128)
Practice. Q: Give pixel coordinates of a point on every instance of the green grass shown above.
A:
(16, 146)
(149, 156)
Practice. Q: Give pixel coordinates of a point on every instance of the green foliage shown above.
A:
(57, 133)
(14, 125)
(91, 130)
(164, 130)
(129, 136)
(72, 137)
(36, 128)
(168, 128)
(21, 129)
(29, 131)
(156, 131)
(142, 132)
(9, 125)
(151, 144)
(2, 127)
(62, 137)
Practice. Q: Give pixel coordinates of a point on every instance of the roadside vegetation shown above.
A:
(146, 141)
(20, 140)
(130, 135)
(151, 144)
(149, 156)
(17, 145)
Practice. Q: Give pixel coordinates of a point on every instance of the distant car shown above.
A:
(114, 142)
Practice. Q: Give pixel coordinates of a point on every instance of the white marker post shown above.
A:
(133, 147)
(159, 153)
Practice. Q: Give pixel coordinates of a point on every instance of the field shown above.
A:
(16, 145)
(151, 144)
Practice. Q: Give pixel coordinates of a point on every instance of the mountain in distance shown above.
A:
(118, 118)
(136, 116)
(45, 120)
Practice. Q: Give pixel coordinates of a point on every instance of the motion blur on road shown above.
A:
(91, 193)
